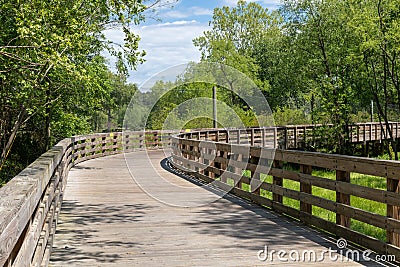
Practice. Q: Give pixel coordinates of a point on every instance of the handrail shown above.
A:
(218, 156)
(31, 201)
(304, 136)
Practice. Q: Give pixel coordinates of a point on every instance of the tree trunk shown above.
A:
(47, 121)
(109, 120)
(11, 138)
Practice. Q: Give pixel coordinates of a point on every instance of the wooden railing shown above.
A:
(31, 201)
(215, 156)
(305, 136)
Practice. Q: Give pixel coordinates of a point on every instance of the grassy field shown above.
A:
(365, 204)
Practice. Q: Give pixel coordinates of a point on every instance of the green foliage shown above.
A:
(188, 105)
(328, 58)
(68, 124)
(315, 62)
(289, 116)
(236, 33)
(52, 75)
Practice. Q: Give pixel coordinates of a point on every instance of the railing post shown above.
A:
(393, 212)
(305, 188)
(263, 141)
(237, 170)
(252, 137)
(93, 146)
(370, 132)
(197, 157)
(206, 162)
(222, 166)
(286, 137)
(211, 163)
(313, 136)
(239, 157)
(342, 220)
(364, 134)
(141, 140)
(351, 134)
(103, 144)
(126, 144)
(277, 181)
(115, 142)
(358, 132)
(391, 128)
(254, 175)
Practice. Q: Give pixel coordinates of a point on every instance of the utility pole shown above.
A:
(372, 110)
(214, 106)
(312, 108)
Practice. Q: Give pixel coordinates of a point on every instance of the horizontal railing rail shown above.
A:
(305, 136)
(31, 201)
(262, 174)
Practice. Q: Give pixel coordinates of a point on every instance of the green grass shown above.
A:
(361, 203)
(386, 156)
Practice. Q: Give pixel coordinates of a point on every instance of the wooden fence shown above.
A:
(31, 201)
(225, 160)
(303, 136)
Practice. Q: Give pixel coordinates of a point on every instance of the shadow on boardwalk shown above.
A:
(84, 233)
(106, 220)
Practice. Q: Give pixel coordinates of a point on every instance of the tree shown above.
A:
(320, 35)
(48, 53)
(48, 44)
(376, 25)
(236, 32)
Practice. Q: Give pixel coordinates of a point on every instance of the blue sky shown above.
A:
(167, 40)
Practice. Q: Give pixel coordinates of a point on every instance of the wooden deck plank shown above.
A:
(107, 220)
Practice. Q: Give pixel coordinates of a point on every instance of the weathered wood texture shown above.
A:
(195, 154)
(108, 220)
(303, 136)
(30, 202)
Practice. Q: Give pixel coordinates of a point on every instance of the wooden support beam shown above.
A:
(277, 181)
(305, 187)
(342, 198)
(393, 212)
(255, 177)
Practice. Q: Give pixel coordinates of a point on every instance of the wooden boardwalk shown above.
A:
(107, 220)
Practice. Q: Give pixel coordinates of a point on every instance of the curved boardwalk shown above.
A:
(107, 220)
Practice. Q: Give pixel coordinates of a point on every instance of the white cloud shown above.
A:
(271, 2)
(170, 43)
(187, 12)
(267, 3)
(167, 44)
(168, 24)
(200, 11)
(230, 3)
(176, 14)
